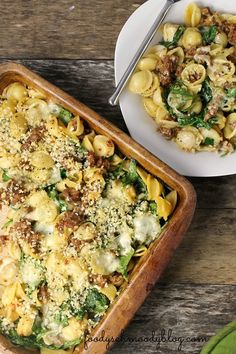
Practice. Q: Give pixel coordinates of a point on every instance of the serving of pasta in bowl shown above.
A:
(87, 219)
(180, 102)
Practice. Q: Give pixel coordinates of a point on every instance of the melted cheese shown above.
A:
(146, 228)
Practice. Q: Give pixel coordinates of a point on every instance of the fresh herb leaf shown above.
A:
(5, 176)
(124, 262)
(61, 318)
(27, 342)
(79, 314)
(65, 116)
(208, 34)
(118, 171)
(197, 121)
(206, 92)
(62, 205)
(178, 34)
(131, 175)
(231, 92)
(63, 173)
(54, 195)
(179, 89)
(9, 222)
(153, 207)
(209, 141)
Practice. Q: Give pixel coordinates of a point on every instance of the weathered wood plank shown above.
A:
(63, 28)
(207, 254)
(190, 311)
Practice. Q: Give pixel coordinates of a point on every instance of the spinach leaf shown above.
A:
(35, 340)
(5, 176)
(27, 342)
(64, 115)
(131, 176)
(61, 318)
(196, 121)
(206, 92)
(124, 262)
(63, 173)
(178, 34)
(208, 34)
(179, 89)
(231, 92)
(209, 141)
(118, 171)
(95, 302)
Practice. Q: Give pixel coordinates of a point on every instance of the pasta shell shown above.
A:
(15, 91)
(143, 174)
(169, 30)
(41, 159)
(18, 125)
(153, 87)
(141, 81)
(75, 127)
(179, 53)
(193, 74)
(103, 146)
(189, 139)
(154, 187)
(86, 231)
(221, 39)
(192, 15)
(150, 106)
(158, 50)
(161, 114)
(192, 38)
(164, 208)
(157, 97)
(110, 291)
(230, 127)
(211, 134)
(147, 64)
(172, 198)
(87, 144)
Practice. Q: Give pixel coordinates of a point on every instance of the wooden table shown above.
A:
(71, 43)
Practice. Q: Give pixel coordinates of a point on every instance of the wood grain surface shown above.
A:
(190, 313)
(62, 29)
(198, 293)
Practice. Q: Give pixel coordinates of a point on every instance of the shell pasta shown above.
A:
(188, 81)
(75, 217)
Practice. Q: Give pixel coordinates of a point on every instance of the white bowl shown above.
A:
(141, 127)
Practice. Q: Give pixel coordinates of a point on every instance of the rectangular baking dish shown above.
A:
(150, 267)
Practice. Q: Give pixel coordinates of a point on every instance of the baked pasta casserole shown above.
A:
(188, 81)
(75, 215)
